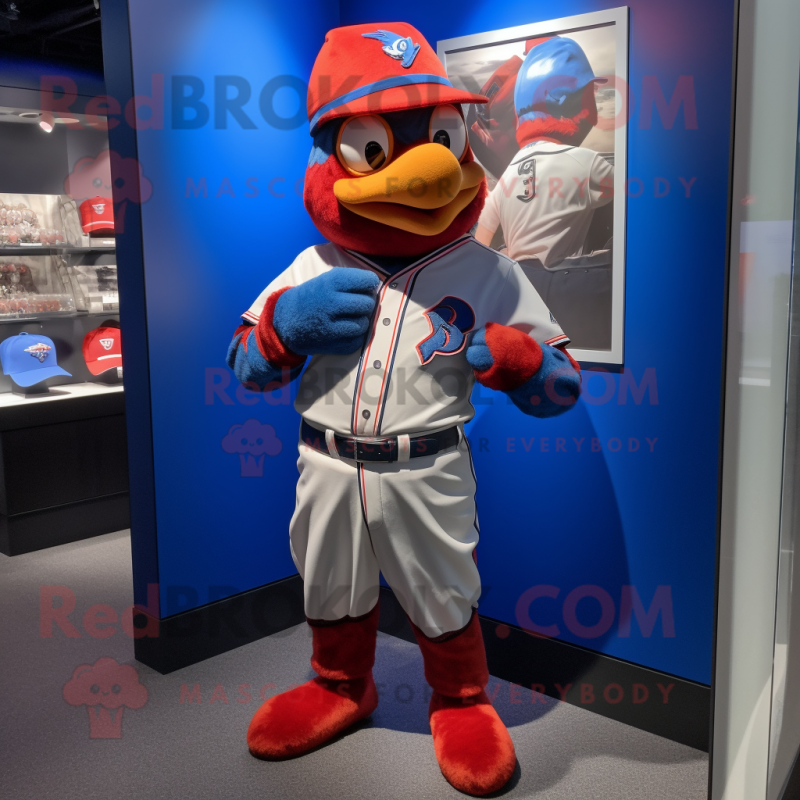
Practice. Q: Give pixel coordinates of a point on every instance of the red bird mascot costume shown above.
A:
(398, 315)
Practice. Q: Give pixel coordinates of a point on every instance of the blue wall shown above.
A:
(558, 518)
(206, 259)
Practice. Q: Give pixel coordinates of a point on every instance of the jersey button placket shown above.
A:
(379, 356)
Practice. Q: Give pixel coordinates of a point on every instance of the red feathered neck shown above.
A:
(566, 130)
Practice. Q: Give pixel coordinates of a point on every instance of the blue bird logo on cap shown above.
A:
(401, 48)
(28, 363)
(40, 351)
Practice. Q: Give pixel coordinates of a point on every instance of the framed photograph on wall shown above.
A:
(552, 140)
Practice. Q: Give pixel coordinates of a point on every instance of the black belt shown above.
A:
(380, 449)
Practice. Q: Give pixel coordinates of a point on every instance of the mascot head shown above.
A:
(391, 171)
(554, 93)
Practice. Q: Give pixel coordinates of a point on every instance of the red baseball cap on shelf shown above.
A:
(102, 350)
(97, 215)
(375, 69)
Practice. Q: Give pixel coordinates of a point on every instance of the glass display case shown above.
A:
(61, 390)
(48, 265)
(58, 267)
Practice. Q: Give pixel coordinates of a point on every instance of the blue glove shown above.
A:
(328, 314)
(250, 366)
(554, 389)
(479, 356)
(507, 359)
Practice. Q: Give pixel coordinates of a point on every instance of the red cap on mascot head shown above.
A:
(375, 69)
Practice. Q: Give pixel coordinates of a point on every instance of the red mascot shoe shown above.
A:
(473, 748)
(303, 718)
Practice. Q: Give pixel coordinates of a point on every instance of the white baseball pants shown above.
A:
(413, 521)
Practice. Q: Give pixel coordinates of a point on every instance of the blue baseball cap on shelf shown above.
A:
(29, 358)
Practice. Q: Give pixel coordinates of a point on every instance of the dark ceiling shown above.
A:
(62, 31)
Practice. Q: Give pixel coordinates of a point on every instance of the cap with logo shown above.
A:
(29, 358)
(97, 215)
(377, 68)
(102, 350)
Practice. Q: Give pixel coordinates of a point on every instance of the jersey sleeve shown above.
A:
(601, 182)
(520, 306)
(285, 280)
(256, 354)
(490, 216)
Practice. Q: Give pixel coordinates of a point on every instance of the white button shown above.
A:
(387, 321)
(365, 414)
(376, 364)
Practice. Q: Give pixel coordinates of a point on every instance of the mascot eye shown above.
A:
(365, 144)
(447, 129)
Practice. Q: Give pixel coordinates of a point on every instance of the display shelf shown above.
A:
(29, 250)
(95, 248)
(52, 250)
(38, 316)
(66, 401)
(63, 466)
(70, 390)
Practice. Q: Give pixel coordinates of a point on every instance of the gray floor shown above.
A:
(170, 749)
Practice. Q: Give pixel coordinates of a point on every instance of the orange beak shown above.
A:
(421, 191)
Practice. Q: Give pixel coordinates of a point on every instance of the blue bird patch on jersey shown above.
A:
(450, 319)
(401, 48)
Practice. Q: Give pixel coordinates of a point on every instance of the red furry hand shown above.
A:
(503, 358)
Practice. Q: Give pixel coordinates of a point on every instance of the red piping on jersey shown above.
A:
(391, 350)
(411, 275)
(369, 349)
(269, 343)
(408, 272)
(365, 366)
(365, 363)
(364, 496)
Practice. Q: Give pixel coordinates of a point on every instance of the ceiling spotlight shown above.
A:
(46, 126)
(29, 114)
(66, 120)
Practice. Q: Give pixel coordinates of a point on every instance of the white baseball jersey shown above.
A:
(412, 375)
(545, 200)
(414, 521)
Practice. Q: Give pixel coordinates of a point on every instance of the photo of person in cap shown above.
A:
(545, 199)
